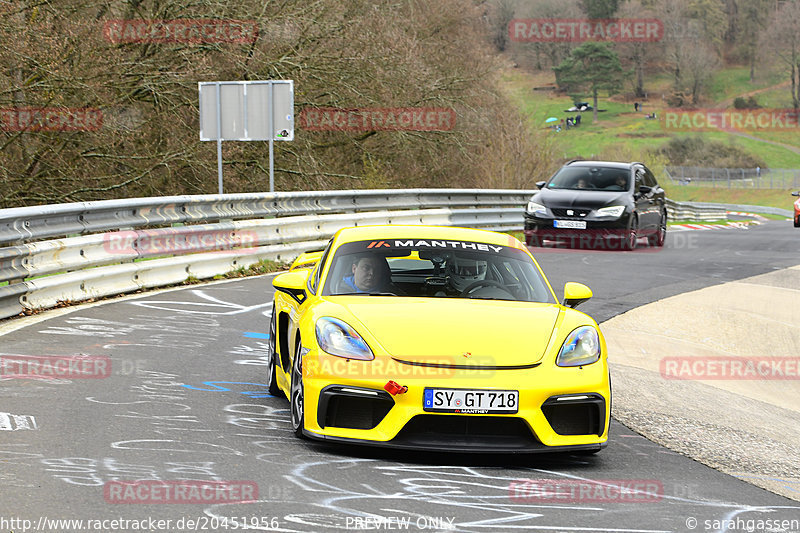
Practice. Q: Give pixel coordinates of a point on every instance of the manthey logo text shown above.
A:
(456, 245)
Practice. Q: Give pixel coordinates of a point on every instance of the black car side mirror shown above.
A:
(644, 189)
(540, 184)
(796, 193)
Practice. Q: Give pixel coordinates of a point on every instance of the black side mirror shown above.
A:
(540, 184)
(796, 193)
(644, 189)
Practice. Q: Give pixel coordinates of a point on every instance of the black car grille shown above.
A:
(564, 212)
(466, 432)
(579, 417)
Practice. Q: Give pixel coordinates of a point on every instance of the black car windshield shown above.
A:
(591, 179)
(435, 268)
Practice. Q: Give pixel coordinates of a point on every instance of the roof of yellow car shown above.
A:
(428, 232)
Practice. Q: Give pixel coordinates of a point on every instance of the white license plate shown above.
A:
(569, 224)
(470, 401)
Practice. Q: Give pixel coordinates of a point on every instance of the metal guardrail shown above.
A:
(23, 224)
(735, 178)
(99, 252)
(694, 211)
(746, 208)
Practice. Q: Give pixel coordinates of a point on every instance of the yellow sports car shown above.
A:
(436, 338)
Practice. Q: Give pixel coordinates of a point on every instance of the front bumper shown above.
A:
(561, 409)
(538, 228)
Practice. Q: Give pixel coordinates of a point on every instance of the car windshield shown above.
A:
(591, 178)
(436, 269)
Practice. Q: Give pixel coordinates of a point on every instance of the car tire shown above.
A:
(658, 238)
(797, 222)
(296, 399)
(631, 234)
(272, 367)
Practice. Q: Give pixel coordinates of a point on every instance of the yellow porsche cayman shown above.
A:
(437, 338)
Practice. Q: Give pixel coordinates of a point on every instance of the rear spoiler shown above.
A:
(307, 260)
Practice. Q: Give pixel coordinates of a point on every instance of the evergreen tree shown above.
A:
(590, 67)
(600, 9)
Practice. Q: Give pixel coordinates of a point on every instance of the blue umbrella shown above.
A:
(551, 119)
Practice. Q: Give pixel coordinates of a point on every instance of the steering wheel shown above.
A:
(484, 283)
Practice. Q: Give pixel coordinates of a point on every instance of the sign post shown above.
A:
(246, 111)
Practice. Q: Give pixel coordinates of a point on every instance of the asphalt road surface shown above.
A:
(183, 398)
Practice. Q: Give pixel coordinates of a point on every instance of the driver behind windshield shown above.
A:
(463, 272)
(367, 274)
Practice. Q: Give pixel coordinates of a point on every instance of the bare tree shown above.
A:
(340, 53)
(698, 64)
(689, 49)
(781, 38)
(752, 19)
(636, 55)
(500, 14)
(548, 54)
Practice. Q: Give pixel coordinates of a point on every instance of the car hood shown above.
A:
(441, 331)
(585, 199)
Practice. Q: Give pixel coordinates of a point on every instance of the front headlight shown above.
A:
(533, 207)
(614, 211)
(338, 338)
(582, 347)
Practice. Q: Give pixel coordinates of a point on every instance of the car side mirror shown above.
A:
(644, 189)
(292, 283)
(575, 294)
(540, 184)
(796, 193)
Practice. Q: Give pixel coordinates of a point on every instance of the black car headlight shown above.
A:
(534, 208)
(614, 211)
